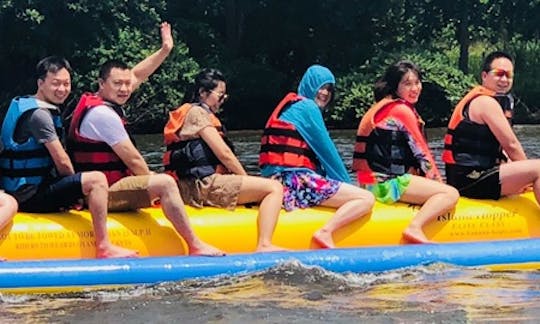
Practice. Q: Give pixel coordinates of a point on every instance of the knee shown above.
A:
(452, 194)
(8, 204)
(164, 182)
(362, 198)
(276, 187)
(366, 198)
(369, 198)
(94, 179)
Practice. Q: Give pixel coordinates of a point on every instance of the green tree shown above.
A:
(89, 33)
(264, 46)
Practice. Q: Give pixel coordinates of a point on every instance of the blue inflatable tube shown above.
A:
(119, 272)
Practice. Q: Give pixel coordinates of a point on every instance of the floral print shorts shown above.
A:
(303, 189)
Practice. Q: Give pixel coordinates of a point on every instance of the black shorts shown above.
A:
(55, 196)
(472, 183)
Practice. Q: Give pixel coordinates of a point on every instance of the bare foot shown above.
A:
(415, 235)
(205, 250)
(2, 259)
(115, 251)
(270, 248)
(324, 239)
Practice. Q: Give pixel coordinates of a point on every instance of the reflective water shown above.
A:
(293, 293)
(247, 145)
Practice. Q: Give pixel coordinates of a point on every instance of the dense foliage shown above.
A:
(264, 46)
(443, 86)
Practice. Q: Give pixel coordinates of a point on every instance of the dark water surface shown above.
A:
(247, 144)
(293, 293)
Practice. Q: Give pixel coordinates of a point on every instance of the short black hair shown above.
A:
(106, 68)
(486, 66)
(51, 64)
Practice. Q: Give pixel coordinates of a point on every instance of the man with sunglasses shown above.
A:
(98, 140)
(483, 157)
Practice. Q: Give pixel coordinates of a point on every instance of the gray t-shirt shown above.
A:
(38, 124)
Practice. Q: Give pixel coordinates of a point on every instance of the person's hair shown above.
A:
(388, 84)
(51, 64)
(206, 80)
(106, 68)
(486, 66)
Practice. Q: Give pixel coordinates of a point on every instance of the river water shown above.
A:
(293, 293)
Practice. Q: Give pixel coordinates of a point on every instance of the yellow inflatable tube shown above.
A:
(70, 236)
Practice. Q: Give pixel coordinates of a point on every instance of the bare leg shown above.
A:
(516, 175)
(436, 199)
(8, 209)
(164, 187)
(352, 203)
(95, 188)
(270, 195)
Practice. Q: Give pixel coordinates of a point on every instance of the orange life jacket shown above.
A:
(190, 158)
(381, 150)
(91, 155)
(281, 144)
(467, 143)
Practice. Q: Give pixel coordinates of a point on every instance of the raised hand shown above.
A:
(167, 42)
(146, 67)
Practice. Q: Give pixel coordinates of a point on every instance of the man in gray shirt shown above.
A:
(36, 169)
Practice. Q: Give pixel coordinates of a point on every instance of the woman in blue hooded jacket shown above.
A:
(297, 150)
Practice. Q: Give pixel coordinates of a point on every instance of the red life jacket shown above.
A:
(90, 155)
(381, 150)
(467, 143)
(281, 144)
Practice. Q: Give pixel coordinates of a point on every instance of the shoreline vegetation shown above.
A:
(262, 60)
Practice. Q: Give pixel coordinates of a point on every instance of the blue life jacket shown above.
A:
(28, 163)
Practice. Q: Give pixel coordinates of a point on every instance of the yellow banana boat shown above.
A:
(69, 235)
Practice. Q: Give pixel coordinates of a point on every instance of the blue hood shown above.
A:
(315, 77)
